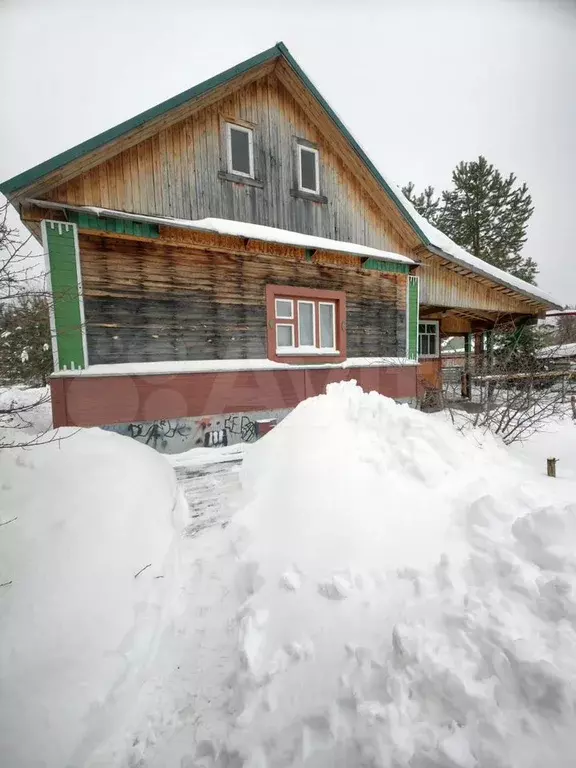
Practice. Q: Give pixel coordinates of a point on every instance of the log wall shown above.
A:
(150, 301)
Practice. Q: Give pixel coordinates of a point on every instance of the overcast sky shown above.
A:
(422, 84)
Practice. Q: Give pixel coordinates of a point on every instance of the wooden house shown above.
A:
(226, 254)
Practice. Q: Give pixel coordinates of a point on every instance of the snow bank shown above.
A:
(408, 597)
(88, 566)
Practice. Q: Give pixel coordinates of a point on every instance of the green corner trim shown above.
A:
(96, 142)
(386, 266)
(412, 310)
(118, 226)
(66, 312)
(37, 172)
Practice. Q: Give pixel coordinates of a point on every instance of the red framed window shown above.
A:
(304, 323)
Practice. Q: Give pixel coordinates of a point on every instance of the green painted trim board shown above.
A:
(60, 240)
(412, 309)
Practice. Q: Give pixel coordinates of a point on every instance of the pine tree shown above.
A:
(426, 203)
(486, 213)
(25, 355)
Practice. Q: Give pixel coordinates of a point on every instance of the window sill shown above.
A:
(308, 196)
(304, 353)
(239, 179)
(429, 357)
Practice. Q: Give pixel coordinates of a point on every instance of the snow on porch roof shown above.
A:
(443, 246)
(240, 229)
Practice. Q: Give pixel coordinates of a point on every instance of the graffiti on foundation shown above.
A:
(242, 426)
(158, 433)
(177, 435)
(215, 438)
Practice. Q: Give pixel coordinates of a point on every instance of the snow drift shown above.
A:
(408, 597)
(88, 566)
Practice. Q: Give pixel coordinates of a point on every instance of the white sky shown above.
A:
(421, 84)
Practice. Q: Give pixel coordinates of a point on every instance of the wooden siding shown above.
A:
(176, 173)
(442, 286)
(149, 301)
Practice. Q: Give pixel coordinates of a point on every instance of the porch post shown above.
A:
(465, 387)
(478, 352)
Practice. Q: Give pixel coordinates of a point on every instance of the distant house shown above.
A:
(226, 254)
(559, 353)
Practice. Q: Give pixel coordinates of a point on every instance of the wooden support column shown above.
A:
(478, 352)
(465, 385)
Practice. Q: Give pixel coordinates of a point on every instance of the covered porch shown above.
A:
(447, 374)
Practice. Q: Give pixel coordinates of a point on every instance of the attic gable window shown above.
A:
(308, 169)
(240, 148)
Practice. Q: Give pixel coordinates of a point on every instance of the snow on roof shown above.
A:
(558, 350)
(435, 237)
(242, 229)
(455, 253)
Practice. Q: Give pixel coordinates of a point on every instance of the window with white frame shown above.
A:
(305, 326)
(428, 334)
(240, 150)
(308, 169)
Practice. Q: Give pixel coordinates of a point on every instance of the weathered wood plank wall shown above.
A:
(443, 287)
(176, 173)
(146, 301)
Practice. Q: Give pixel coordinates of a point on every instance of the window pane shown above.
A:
(327, 326)
(432, 344)
(240, 151)
(308, 169)
(284, 336)
(423, 345)
(284, 308)
(306, 323)
(431, 328)
(421, 328)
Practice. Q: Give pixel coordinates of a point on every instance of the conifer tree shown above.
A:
(426, 203)
(484, 212)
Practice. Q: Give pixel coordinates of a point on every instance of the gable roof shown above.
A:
(434, 240)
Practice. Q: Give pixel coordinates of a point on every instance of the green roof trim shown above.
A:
(34, 174)
(119, 226)
(96, 142)
(386, 266)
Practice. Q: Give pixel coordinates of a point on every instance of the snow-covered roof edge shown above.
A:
(453, 252)
(558, 350)
(240, 229)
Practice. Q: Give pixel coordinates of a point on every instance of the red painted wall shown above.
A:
(88, 401)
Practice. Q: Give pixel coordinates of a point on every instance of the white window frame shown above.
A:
(436, 323)
(308, 348)
(301, 187)
(333, 305)
(294, 323)
(229, 128)
(290, 301)
(286, 325)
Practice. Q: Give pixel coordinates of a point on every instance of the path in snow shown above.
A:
(208, 489)
(186, 698)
